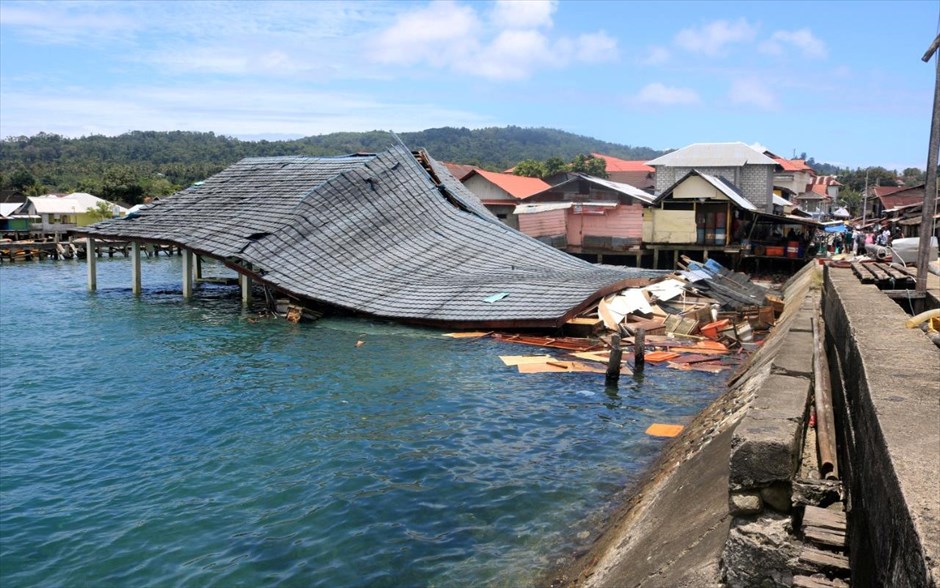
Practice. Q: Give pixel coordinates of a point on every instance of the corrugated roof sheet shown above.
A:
(372, 234)
(726, 188)
(792, 165)
(618, 187)
(517, 186)
(713, 155)
(614, 164)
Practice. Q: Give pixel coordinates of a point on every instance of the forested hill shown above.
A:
(132, 165)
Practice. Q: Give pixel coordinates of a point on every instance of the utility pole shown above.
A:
(930, 190)
(865, 199)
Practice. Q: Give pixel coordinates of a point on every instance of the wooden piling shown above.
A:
(639, 350)
(613, 363)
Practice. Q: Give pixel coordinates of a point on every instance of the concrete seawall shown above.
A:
(890, 429)
(718, 508)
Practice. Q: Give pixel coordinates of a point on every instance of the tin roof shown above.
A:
(614, 164)
(720, 184)
(74, 203)
(713, 155)
(516, 186)
(618, 187)
(374, 234)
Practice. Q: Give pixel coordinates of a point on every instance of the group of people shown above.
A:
(855, 242)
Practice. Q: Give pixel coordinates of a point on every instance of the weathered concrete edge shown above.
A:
(892, 427)
(635, 536)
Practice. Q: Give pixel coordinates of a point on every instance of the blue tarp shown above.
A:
(835, 229)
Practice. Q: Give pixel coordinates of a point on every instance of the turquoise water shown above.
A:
(153, 442)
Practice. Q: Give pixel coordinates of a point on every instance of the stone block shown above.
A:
(760, 552)
(744, 503)
(795, 357)
(764, 451)
(781, 397)
(777, 496)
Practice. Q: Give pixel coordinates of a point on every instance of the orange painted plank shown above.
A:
(662, 430)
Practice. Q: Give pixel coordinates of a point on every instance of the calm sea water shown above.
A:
(155, 442)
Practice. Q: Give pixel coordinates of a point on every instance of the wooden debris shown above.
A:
(568, 343)
(559, 366)
(514, 360)
(600, 356)
(659, 356)
(584, 326)
(825, 537)
(662, 430)
(468, 334)
(294, 313)
(824, 561)
(824, 518)
(817, 581)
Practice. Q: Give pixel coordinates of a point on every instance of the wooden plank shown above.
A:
(825, 560)
(861, 273)
(560, 366)
(825, 536)
(813, 516)
(814, 582)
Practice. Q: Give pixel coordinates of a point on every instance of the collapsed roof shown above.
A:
(379, 234)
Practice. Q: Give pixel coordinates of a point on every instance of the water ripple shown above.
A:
(148, 441)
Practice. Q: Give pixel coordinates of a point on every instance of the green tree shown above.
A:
(913, 176)
(101, 211)
(530, 168)
(555, 165)
(121, 184)
(21, 179)
(851, 200)
(590, 165)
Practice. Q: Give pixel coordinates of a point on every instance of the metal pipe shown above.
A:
(825, 418)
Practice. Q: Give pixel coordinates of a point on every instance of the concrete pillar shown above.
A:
(135, 267)
(187, 272)
(656, 258)
(245, 283)
(92, 264)
(705, 254)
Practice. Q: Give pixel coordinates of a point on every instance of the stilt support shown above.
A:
(187, 272)
(135, 268)
(245, 283)
(92, 264)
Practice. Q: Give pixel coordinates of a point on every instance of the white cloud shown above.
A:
(660, 94)
(230, 109)
(754, 93)
(655, 55)
(57, 23)
(442, 33)
(712, 38)
(523, 14)
(450, 35)
(596, 47)
(802, 40)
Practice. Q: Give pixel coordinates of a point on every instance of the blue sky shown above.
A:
(841, 81)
